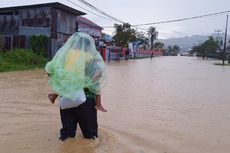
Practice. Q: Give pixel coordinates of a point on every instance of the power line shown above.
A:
(177, 20)
(106, 14)
(102, 12)
(88, 10)
(137, 25)
(183, 19)
(99, 11)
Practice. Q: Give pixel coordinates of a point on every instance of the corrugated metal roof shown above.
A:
(54, 4)
(88, 22)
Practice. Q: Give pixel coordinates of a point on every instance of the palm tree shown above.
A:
(153, 34)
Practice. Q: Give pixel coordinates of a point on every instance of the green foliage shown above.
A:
(172, 50)
(39, 44)
(176, 49)
(142, 38)
(124, 34)
(20, 59)
(207, 47)
(210, 45)
(153, 34)
(195, 49)
(159, 46)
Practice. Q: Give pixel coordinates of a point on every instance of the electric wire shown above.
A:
(88, 10)
(177, 20)
(137, 26)
(99, 10)
(184, 19)
(102, 12)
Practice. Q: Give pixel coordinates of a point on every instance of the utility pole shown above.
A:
(225, 39)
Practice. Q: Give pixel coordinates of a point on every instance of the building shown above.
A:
(55, 20)
(89, 27)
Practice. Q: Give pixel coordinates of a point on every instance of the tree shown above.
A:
(196, 49)
(158, 46)
(168, 50)
(209, 46)
(123, 34)
(172, 50)
(153, 34)
(140, 36)
(176, 50)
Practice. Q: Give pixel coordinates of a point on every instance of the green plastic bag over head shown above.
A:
(75, 66)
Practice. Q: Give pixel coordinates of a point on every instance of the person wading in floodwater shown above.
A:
(78, 70)
(151, 55)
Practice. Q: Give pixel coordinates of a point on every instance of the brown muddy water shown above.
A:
(163, 105)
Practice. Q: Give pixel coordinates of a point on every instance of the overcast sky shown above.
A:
(148, 11)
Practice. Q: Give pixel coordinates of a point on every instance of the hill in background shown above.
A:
(188, 42)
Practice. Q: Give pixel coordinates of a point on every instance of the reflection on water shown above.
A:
(163, 105)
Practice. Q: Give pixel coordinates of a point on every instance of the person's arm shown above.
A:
(98, 100)
(99, 105)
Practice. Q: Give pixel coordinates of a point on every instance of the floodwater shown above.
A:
(163, 105)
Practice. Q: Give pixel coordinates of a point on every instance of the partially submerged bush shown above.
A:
(20, 59)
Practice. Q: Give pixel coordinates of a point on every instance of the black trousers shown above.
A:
(85, 115)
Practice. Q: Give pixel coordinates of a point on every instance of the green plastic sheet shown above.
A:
(75, 66)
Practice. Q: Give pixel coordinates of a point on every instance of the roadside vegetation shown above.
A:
(20, 59)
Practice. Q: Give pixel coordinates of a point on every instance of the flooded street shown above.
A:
(163, 105)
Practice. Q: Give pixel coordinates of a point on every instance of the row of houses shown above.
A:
(57, 22)
(54, 20)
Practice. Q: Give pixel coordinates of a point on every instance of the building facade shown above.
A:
(54, 20)
(89, 27)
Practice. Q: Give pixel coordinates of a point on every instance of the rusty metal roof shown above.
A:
(88, 22)
(54, 5)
